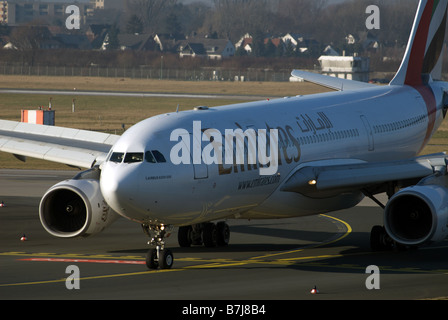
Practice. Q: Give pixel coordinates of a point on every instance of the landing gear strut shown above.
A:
(159, 257)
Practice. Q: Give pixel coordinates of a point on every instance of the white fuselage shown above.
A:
(379, 124)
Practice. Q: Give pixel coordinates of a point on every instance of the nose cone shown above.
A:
(119, 186)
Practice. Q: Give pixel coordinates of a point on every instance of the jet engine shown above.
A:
(418, 215)
(75, 208)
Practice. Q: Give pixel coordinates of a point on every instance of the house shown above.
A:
(168, 42)
(294, 39)
(245, 44)
(137, 42)
(208, 48)
(300, 43)
(273, 47)
(366, 40)
(73, 41)
(329, 51)
(243, 39)
(276, 42)
(350, 39)
(96, 33)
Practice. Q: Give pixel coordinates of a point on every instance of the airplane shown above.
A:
(316, 154)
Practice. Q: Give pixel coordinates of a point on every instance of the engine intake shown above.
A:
(75, 208)
(418, 215)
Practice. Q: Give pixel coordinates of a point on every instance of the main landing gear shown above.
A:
(208, 234)
(159, 257)
(380, 240)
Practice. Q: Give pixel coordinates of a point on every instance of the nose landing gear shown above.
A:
(159, 257)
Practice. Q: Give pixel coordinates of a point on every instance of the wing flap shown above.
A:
(331, 82)
(74, 147)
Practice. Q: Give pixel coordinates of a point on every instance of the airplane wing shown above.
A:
(372, 177)
(331, 82)
(79, 148)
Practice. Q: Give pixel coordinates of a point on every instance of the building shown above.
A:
(16, 12)
(169, 42)
(137, 42)
(208, 48)
(350, 67)
(107, 4)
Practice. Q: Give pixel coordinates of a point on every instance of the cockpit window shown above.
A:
(132, 157)
(149, 157)
(159, 156)
(154, 156)
(117, 157)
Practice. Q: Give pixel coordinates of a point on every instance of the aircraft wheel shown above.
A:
(151, 259)
(379, 239)
(184, 236)
(223, 232)
(210, 235)
(166, 259)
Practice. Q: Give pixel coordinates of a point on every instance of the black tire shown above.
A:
(209, 235)
(184, 236)
(377, 239)
(166, 260)
(151, 258)
(223, 233)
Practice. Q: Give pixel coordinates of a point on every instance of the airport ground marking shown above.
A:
(90, 278)
(346, 233)
(204, 264)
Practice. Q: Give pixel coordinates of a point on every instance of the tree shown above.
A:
(28, 40)
(172, 25)
(233, 18)
(270, 49)
(258, 48)
(134, 25)
(149, 11)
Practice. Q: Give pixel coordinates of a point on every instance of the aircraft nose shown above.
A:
(119, 188)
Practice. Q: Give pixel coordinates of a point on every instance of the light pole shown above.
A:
(161, 68)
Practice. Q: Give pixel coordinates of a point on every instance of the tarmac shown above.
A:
(266, 260)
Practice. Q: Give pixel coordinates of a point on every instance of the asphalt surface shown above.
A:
(266, 259)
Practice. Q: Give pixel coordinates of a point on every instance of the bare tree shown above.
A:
(299, 15)
(28, 39)
(233, 18)
(149, 11)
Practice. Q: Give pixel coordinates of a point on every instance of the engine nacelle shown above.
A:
(75, 208)
(418, 215)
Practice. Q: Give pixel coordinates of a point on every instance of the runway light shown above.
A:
(2, 204)
(312, 182)
(24, 238)
(314, 290)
